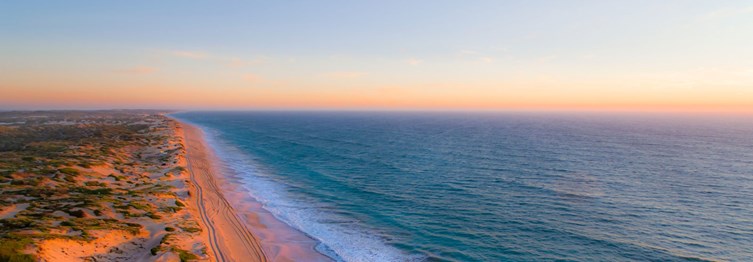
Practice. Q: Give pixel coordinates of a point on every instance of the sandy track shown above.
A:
(228, 237)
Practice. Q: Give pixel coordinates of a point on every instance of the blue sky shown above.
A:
(490, 48)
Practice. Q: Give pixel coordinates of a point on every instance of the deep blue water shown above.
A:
(500, 186)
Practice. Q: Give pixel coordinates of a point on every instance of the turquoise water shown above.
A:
(499, 186)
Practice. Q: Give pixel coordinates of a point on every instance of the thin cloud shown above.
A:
(475, 55)
(728, 12)
(468, 52)
(251, 78)
(719, 77)
(344, 75)
(139, 70)
(189, 54)
(233, 62)
(414, 61)
(237, 62)
(546, 59)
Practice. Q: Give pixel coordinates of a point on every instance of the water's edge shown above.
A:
(339, 243)
(277, 231)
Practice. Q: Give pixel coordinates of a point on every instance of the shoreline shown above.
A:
(238, 228)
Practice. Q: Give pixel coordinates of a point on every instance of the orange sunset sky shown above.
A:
(621, 55)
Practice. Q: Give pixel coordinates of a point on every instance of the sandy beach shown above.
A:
(236, 227)
(129, 186)
(227, 237)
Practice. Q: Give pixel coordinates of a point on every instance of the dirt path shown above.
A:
(229, 238)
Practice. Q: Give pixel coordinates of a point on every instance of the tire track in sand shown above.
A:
(224, 214)
(218, 255)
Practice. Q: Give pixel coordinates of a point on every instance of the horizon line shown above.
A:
(488, 110)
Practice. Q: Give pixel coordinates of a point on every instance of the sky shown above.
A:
(486, 55)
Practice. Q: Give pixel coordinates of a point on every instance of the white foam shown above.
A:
(341, 239)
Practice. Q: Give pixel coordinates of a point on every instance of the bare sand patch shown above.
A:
(12, 210)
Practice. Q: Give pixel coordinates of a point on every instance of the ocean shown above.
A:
(499, 186)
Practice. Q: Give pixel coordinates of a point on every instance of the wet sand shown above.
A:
(237, 228)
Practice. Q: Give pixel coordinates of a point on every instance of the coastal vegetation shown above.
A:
(92, 178)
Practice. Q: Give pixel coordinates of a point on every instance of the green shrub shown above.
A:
(170, 209)
(77, 213)
(169, 229)
(154, 250)
(70, 178)
(16, 223)
(184, 255)
(139, 206)
(191, 229)
(68, 171)
(98, 191)
(94, 183)
(10, 250)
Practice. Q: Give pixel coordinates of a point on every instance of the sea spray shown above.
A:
(341, 239)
